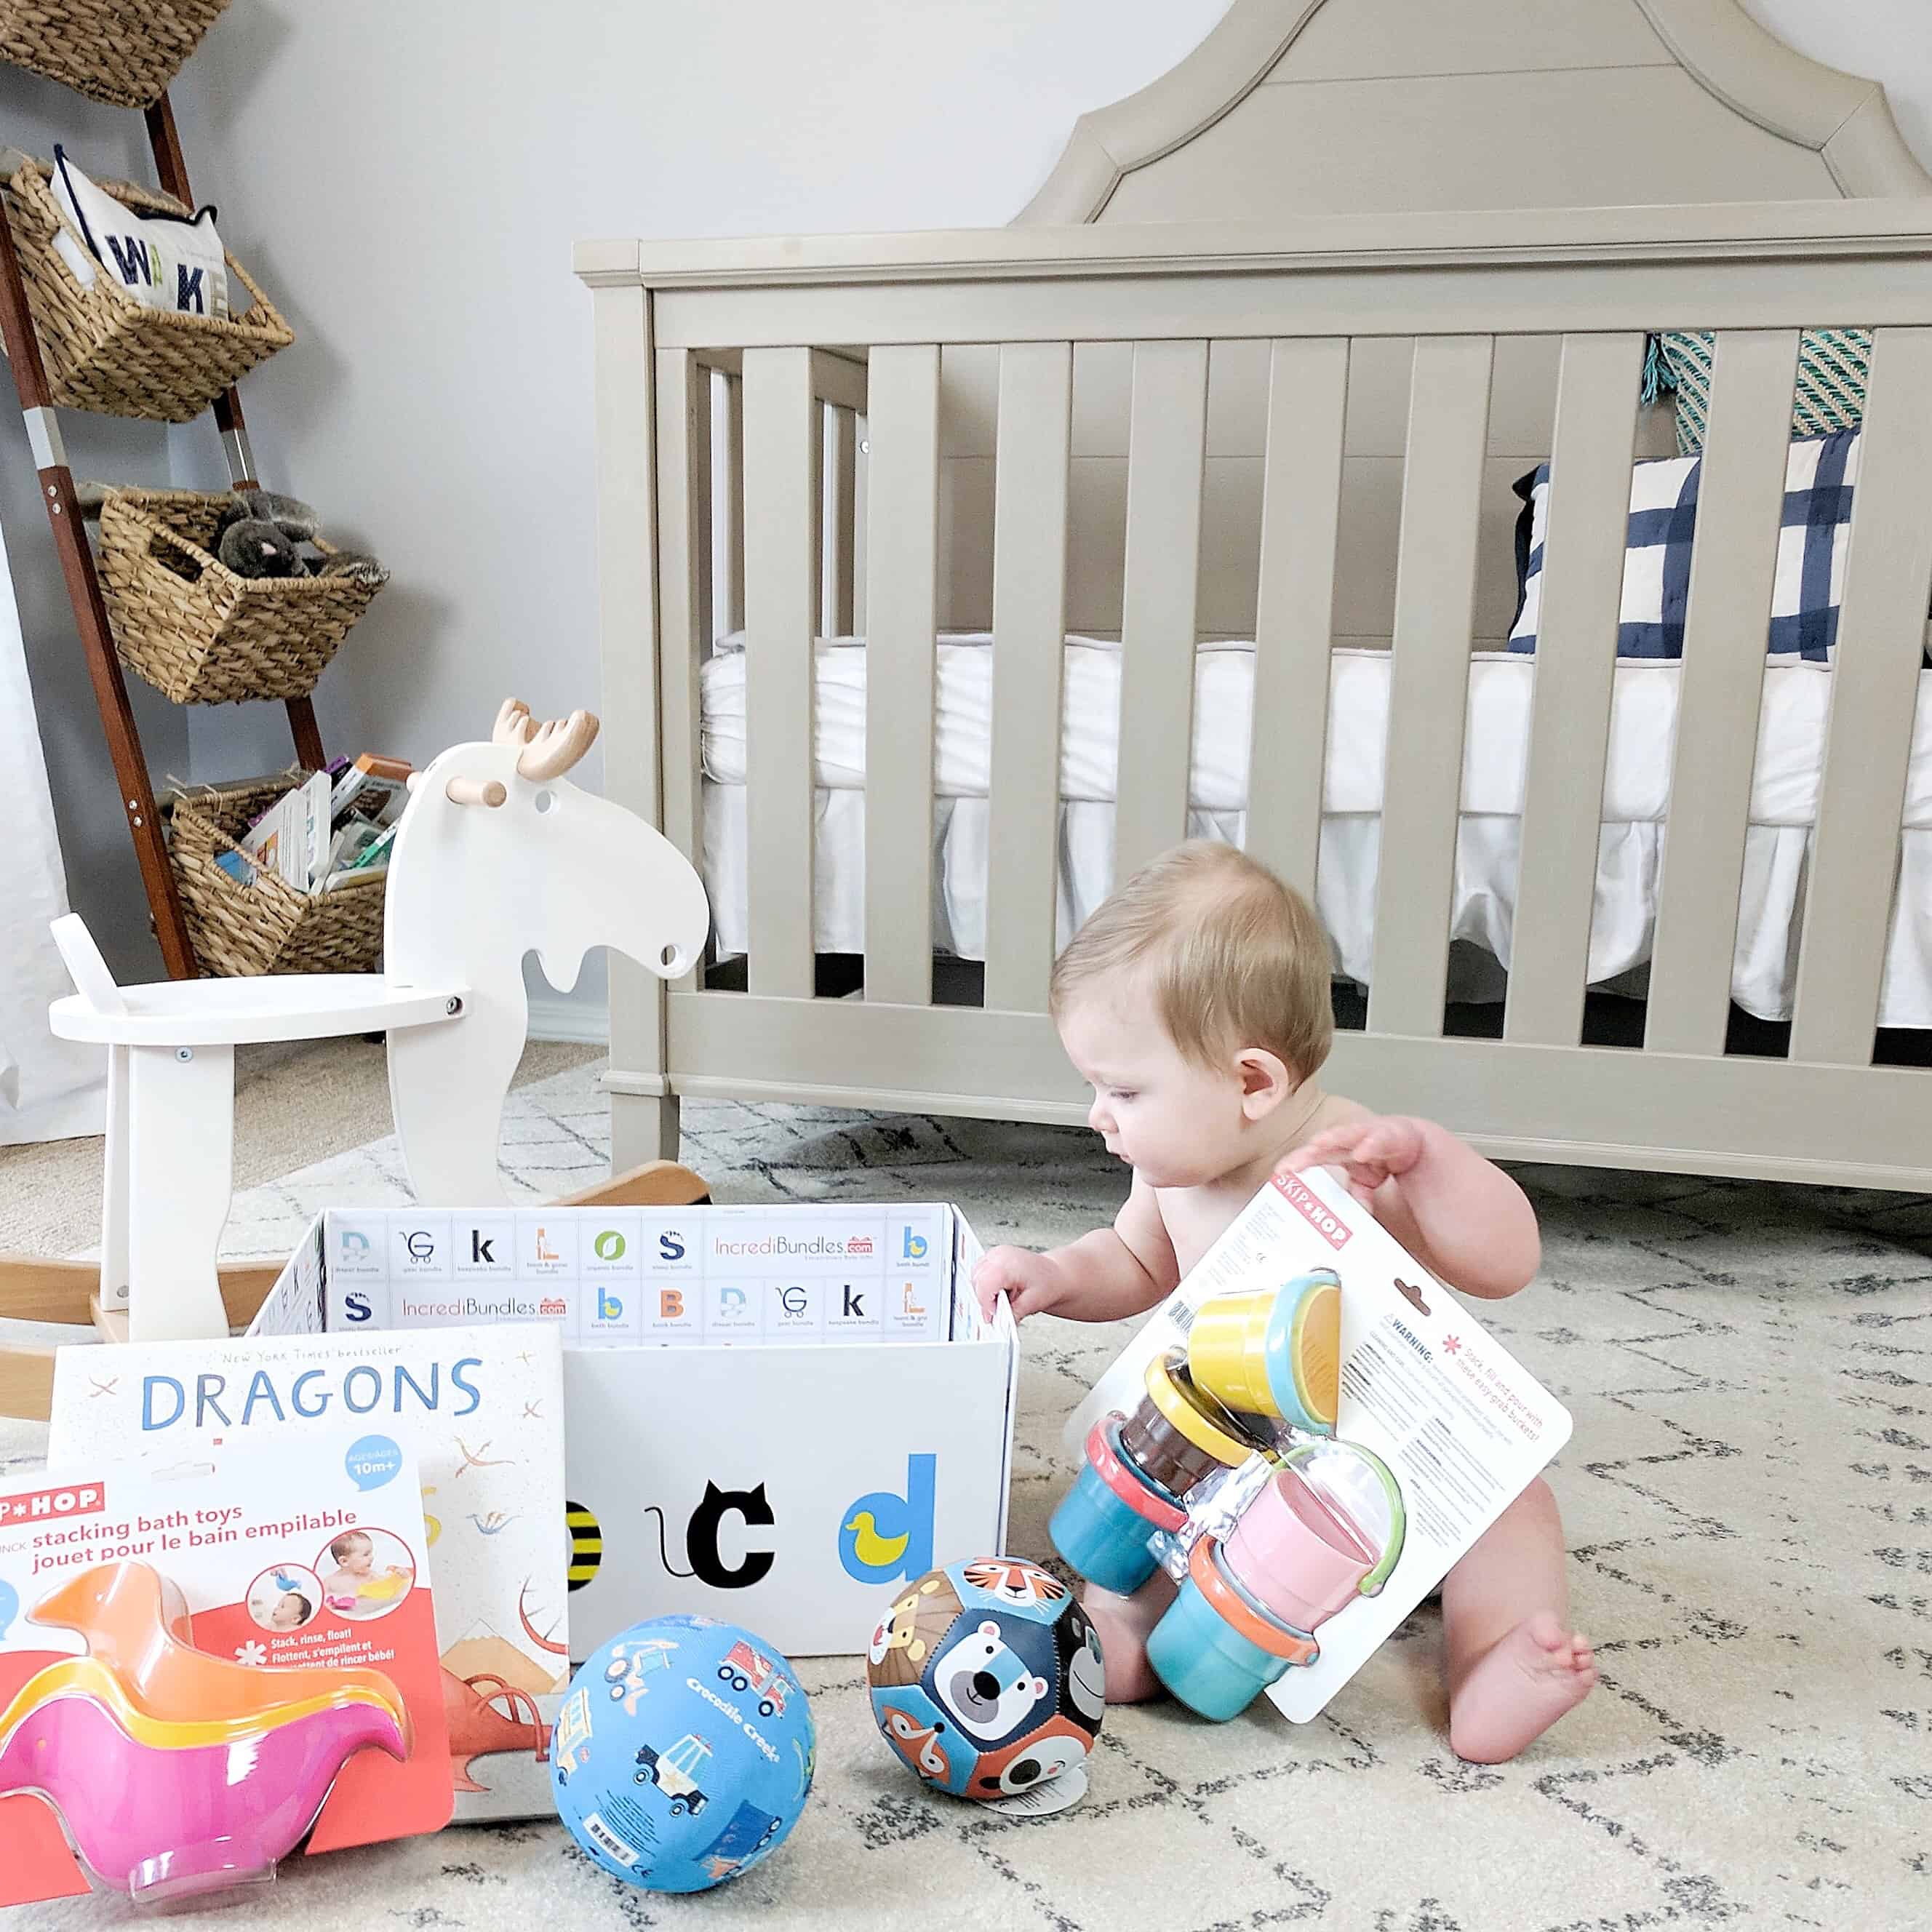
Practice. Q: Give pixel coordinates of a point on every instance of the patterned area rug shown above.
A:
(1749, 1498)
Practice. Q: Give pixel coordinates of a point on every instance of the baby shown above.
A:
(291, 1610)
(1196, 1004)
(354, 1589)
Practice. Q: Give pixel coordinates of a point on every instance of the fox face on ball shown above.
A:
(987, 1679)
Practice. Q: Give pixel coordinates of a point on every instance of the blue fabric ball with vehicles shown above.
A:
(683, 1753)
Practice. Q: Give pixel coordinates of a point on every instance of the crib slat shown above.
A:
(684, 572)
(1301, 502)
(902, 601)
(842, 484)
(782, 427)
(1727, 618)
(731, 505)
(1429, 682)
(1575, 671)
(1166, 440)
(1874, 695)
(1029, 635)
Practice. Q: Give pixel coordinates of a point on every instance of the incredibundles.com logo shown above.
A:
(782, 1246)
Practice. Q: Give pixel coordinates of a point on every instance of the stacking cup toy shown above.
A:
(1217, 1650)
(1274, 1352)
(1103, 1523)
(1296, 1554)
(1138, 1468)
(1178, 1435)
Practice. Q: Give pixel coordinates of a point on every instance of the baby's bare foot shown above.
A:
(1519, 1688)
(1123, 1623)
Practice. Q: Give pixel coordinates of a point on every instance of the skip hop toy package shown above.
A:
(480, 1411)
(200, 1662)
(1306, 1437)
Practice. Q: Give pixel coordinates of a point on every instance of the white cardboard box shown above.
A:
(770, 1413)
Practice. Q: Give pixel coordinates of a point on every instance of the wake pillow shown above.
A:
(164, 261)
(1819, 474)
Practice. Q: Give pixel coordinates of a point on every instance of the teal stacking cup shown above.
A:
(1216, 1649)
(1104, 1523)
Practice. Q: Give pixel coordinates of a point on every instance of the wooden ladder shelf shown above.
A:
(65, 511)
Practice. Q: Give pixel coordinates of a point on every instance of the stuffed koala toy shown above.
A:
(261, 534)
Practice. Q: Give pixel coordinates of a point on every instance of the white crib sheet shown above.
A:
(1636, 790)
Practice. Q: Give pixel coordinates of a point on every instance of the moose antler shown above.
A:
(513, 724)
(556, 745)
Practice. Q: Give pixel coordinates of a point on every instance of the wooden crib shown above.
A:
(813, 348)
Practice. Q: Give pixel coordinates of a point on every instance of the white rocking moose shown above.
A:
(497, 854)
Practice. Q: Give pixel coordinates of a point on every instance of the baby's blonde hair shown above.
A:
(1235, 958)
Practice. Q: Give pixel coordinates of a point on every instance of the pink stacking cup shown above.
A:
(1296, 1553)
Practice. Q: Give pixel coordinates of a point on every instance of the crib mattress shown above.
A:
(1636, 790)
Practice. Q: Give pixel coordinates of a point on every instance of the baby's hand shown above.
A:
(1369, 1152)
(1031, 1282)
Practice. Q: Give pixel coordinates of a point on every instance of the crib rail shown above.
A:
(789, 399)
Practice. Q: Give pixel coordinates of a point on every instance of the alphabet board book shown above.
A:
(481, 1408)
(197, 1651)
(773, 1411)
(1437, 1430)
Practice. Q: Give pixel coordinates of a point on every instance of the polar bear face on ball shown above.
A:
(986, 1685)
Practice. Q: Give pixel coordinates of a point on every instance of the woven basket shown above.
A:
(103, 351)
(198, 633)
(122, 51)
(268, 927)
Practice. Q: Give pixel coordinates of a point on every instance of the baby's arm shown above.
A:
(1114, 1272)
(1459, 1215)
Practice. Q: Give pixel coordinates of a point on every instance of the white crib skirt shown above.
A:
(1628, 863)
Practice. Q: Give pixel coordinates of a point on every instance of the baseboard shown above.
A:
(572, 1020)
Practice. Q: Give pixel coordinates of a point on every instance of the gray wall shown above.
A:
(406, 182)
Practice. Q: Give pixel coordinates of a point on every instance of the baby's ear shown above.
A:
(1266, 1078)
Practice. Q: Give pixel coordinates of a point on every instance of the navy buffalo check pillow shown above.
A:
(1819, 476)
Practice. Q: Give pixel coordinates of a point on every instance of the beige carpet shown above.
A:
(1749, 1498)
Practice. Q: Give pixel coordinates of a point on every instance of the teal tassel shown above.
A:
(1656, 372)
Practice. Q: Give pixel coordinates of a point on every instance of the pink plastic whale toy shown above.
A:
(160, 1823)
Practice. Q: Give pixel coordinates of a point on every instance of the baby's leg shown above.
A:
(1515, 1667)
(1124, 1624)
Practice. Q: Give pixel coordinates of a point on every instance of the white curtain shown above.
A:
(50, 1089)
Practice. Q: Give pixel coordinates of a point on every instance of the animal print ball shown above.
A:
(986, 1677)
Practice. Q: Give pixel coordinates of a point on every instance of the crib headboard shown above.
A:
(1346, 107)
(1157, 397)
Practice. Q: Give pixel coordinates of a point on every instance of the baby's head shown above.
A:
(1194, 1002)
(354, 1552)
(291, 1611)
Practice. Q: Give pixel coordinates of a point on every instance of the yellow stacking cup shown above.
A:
(1274, 1352)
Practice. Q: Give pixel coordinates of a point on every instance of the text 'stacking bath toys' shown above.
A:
(169, 1726)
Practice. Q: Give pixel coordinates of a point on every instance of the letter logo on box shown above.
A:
(356, 1307)
(883, 1536)
(670, 1245)
(354, 1243)
(609, 1245)
(915, 1247)
(421, 1244)
(671, 1304)
(610, 1307)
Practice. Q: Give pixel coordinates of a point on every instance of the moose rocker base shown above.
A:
(497, 854)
